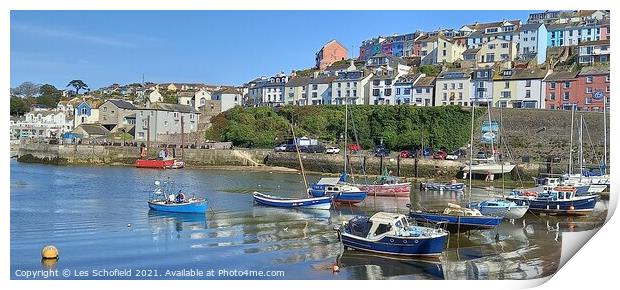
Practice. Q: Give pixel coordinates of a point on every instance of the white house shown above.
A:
(229, 98)
(42, 124)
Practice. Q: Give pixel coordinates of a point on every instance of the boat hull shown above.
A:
(443, 187)
(430, 247)
(313, 202)
(159, 164)
(458, 223)
(194, 207)
(400, 189)
(348, 197)
(489, 168)
(516, 212)
(579, 206)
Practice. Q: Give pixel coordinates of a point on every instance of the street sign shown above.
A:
(598, 95)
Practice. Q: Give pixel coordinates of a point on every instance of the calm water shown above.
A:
(85, 212)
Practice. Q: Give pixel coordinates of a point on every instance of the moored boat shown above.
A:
(558, 201)
(458, 219)
(386, 185)
(391, 234)
(160, 163)
(435, 186)
(341, 192)
(499, 207)
(164, 200)
(324, 202)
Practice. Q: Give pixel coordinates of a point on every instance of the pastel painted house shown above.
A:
(228, 97)
(331, 52)
(163, 118)
(85, 113)
(453, 87)
(565, 89)
(351, 86)
(532, 42)
(594, 52)
(519, 88)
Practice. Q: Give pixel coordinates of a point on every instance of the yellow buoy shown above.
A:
(49, 252)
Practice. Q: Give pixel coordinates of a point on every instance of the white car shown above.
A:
(280, 148)
(452, 157)
(332, 150)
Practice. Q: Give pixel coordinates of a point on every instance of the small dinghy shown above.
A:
(164, 200)
(391, 233)
(324, 202)
(342, 192)
(499, 207)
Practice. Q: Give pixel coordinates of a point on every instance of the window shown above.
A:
(552, 85)
(588, 90)
(607, 79)
(354, 93)
(376, 82)
(528, 83)
(525, 39)
(445, 87)
(452, 86)
(424, 53)
(348, 85)
(339, 85)
(315, 86)
(375, 92)
(504, 56)
(490, 57)
(504, 45)
(166, 123)
(418, 90)
(552, 96)
(428, 90)
(445, 96)
(314, 94)
(491, 46)
(460, 95)
(398, 91)
(566, 85)
(566, 96)
(460, 86)
(105, 109)
(388, 82)
(528, 93)
(388, 92)
(407, 91)
(588, 101)
(505, 94)
(506, 85)
(589, 79)
(444, 53)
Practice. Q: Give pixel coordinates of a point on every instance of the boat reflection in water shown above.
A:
(168, 223)
(373, 266)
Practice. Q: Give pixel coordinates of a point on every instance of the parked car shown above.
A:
(405, 154)
(456, 155)
(440, 155)
(481, 155)
(280, 148)
(332, 150)
(427, 152)
(381, 151)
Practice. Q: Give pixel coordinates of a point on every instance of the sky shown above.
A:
(213, 47)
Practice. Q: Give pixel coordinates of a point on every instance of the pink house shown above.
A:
(331, 52)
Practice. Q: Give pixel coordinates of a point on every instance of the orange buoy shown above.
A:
(335, 269)
(49, 252)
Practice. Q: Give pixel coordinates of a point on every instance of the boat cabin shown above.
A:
(379, 225)
(559, 193)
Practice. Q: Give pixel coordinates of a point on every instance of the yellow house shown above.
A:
(519, 88)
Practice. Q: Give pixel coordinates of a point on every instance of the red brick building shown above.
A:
(563, 89)
(331, 52)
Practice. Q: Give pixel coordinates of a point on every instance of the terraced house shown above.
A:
(439, 49)
(519, 88)
(532, 42)
(481, 33)
(573, 33)
(452, 87)
(565, 89)
(351, 86)
(386, 71)
(591, 52)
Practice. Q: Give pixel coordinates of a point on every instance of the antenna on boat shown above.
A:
(471, 146)
(570, 151)
(301, 164)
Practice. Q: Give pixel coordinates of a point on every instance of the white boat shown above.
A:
(502, 208)
(486, 166)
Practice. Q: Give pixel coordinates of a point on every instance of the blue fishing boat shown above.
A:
(336, 187)
(391, 234)
(162, 199)
(324, 202)
(500, 207)
(558, 201)
(453, 186)
(458, 219)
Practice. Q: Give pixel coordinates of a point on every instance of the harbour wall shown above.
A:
(316, 162)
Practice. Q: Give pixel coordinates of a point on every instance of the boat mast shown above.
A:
(148, 135)
(491, 130)
(580, 147)
(346, 128)
(301, 164)
(182, 137)
(471, 146)
(570, 151)
(501, 140)
(605, 133)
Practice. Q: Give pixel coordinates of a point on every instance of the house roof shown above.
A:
(523, 74)
(561, 76)
(425, 82)
(408, 78)
(94, 129)
(298, 82)
(595, 70)
(228, 90)
(530, 26)
(471, 51)
(482, 26)
(122, 104)
(172, 108)
(322, 79)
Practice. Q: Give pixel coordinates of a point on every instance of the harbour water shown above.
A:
(99, 220)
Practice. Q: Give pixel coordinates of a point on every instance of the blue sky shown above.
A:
(214, 47)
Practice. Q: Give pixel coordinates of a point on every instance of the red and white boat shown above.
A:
(160, 163)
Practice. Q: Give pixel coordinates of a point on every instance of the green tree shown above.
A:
(77, 85)
(48, 95)
(430, 70)
(169, 97)
(26, 90)
(18, 106)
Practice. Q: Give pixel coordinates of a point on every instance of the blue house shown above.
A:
(85, 113)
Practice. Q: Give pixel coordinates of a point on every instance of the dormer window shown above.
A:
(507, 73)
